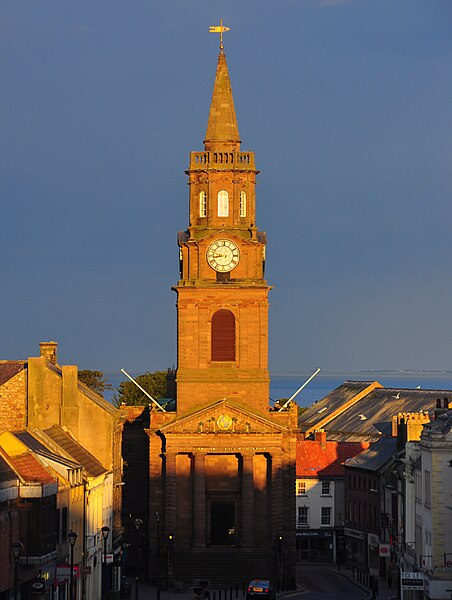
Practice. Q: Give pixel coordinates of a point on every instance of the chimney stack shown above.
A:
(320, 436)
(446, 403)
(48, 350)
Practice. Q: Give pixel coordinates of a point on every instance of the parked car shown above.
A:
(260, 588)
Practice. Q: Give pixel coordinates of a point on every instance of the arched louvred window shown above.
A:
(223, 204)
(223, 336)
(202, 204)
(243, 204)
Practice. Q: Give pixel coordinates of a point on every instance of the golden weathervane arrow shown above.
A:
(219, 29)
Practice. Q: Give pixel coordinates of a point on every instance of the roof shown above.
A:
(370, 416)
(325, 459)
(7, 474)
(441, 425)
(30, 469)
(36, 446)
(375, 457)
(91, 465)
(9, 368)
(222, 123)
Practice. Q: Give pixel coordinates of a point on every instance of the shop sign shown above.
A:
(372, 540)
(354, 533)
(314, 533)
(384, 550)
(64, 572)
(412, 581)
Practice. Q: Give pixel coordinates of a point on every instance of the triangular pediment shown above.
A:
(223, 416)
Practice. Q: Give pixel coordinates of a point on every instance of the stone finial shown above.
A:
(48, 350)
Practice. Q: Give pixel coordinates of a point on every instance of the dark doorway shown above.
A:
(222, 524)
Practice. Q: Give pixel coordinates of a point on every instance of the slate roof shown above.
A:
(9, 368)
(7, 474)
(375, 457)
(325, 459)
(90, 464)
(370, 417)
(36, 446)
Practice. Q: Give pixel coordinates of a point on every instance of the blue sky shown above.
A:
(347, 105)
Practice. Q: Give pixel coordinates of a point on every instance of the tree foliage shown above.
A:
(153, 383)
(95, 380)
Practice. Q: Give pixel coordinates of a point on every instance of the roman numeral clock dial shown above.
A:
(223, 255)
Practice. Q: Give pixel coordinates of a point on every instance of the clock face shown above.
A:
(223, 255)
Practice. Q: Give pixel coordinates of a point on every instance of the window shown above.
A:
(303, 513)
(326, 515)
(64, 523)
(427, 496)
(223, 336)
(223, 204)
(202, 204)
(243, 204)
(301, 488)
(325, 488)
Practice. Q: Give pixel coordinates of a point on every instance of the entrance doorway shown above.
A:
(222, 523)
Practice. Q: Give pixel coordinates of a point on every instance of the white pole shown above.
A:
(144, 391)
(299, 389)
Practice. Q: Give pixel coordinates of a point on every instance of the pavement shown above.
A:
(384, 590)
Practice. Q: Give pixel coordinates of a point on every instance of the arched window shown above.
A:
(223, 204)
(223, 336)
(202, 204)
(243, 204)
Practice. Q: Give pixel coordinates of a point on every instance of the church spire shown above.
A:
(222, 130)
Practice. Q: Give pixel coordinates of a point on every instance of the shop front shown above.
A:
(315, 545)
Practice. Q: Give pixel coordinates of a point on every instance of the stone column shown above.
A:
(199, 501)
(247, 512)
(276, 507)
(170, 493)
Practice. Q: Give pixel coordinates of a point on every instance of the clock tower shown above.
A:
(221, 459)
(222, 296)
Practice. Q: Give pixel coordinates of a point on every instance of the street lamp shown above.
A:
(17, 547)
(105, 531)
(157, 520)
(72, 539)
(138, 522)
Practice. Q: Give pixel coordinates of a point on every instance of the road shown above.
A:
(323, 582)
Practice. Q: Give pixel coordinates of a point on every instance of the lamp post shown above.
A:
(72, 539)
(138, 522)
(157, 520)
(17, 547)
(105, 531)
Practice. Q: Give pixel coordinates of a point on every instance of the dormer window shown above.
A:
(202, 204)
(243, 204)
(223, 204)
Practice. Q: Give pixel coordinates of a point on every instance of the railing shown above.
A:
(199, 160)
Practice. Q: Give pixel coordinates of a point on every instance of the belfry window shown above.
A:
(202, 204)
(223, 336)
(223, 204)
(243, 204)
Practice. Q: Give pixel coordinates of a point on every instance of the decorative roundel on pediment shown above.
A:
(224, 422)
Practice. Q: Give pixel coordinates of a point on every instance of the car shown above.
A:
(260, 588)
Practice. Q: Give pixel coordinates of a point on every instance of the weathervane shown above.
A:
(219, 29)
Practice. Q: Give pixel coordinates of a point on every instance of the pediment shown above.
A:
(222, 417)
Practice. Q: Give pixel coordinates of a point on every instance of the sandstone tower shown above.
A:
(222, 465)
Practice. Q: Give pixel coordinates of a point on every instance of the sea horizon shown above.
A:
(285, 384)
